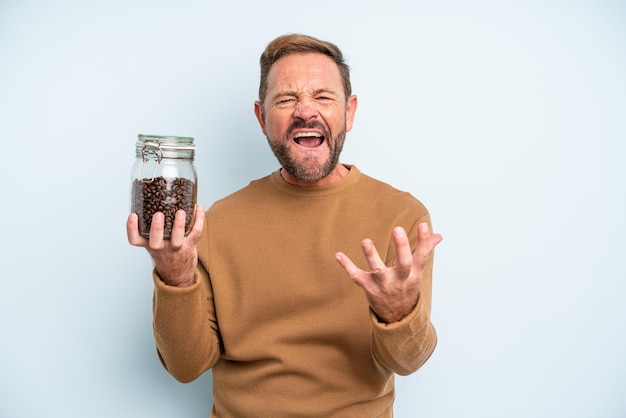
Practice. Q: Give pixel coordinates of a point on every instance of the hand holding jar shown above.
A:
(165, 218)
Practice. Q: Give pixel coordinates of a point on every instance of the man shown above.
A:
(259, 291)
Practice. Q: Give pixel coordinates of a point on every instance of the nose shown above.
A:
(305, 109)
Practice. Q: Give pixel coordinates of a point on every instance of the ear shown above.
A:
(260, 115)
(350, 111)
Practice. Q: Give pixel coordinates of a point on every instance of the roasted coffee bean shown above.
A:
(166, 195)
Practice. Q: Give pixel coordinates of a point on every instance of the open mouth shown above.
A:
(308, 139)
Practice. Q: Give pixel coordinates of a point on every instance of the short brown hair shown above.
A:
(294, 43)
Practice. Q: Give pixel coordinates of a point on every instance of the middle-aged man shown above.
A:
(265, 290)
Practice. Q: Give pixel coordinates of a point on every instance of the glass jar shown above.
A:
(163, 180)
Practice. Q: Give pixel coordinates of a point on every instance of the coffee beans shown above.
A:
(166, 195)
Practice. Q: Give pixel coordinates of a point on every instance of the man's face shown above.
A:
(305, 117)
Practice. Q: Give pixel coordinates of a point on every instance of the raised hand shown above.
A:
(175, 259)
(392, 292)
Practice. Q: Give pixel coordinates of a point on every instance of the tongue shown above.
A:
(310, 142)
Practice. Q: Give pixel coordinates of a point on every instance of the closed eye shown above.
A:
(285, 102)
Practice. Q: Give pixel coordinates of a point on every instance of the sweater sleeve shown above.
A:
(404, 346)
(185, 327)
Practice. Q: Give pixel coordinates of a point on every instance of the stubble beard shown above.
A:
(310, 169)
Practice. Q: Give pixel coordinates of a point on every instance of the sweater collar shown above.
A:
(316, 191)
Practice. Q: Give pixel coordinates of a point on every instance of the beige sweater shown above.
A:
(284, 329)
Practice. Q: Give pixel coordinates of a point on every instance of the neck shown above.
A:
(338, 173)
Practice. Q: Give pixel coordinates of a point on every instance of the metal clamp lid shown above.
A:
(145, 152)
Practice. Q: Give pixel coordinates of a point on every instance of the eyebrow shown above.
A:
(295, 93)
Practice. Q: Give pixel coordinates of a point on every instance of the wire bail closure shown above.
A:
(151, 148)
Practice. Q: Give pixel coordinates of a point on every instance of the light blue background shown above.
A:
(507, 119)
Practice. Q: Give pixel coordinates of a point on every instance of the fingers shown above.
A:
(132, 231)
(403, 252)
(156, 231)
(375, 263)
(407, 261)
(426, 243)
(177, 238)
(198, 223)
(349, 267)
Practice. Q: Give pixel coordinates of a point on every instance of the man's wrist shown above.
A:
(176, 283)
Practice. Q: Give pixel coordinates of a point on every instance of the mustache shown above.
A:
(303, 124)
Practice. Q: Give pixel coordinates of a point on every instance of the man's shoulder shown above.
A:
(386, 193)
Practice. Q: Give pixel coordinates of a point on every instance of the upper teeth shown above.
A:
(303, 134)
